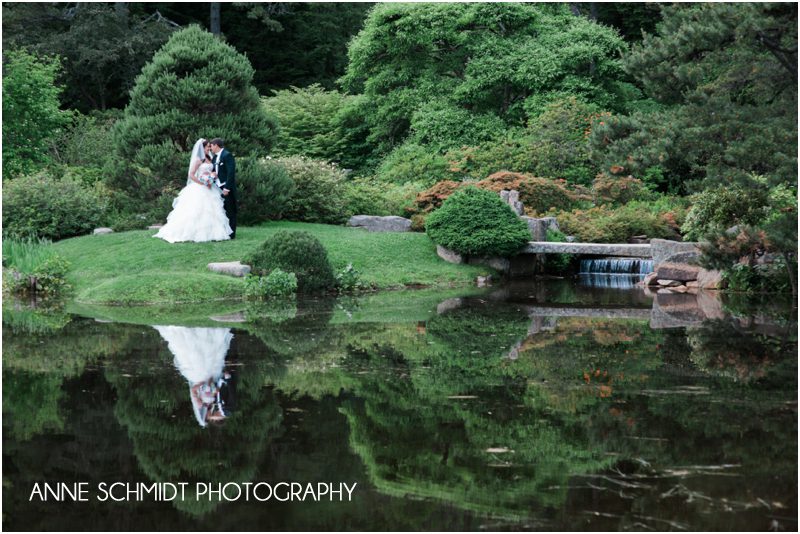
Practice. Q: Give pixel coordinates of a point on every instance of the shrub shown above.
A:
(307, 120)
(558, 144)
(319, 191)
(602, 224)
(264, 189)
(348, 278)
(85, 143)
(719, 208)
(433, 197)
(475, 221)
(276, 284)
(440, 126)
(413, 163)
(365, 196)
(297, 252)
(476, 162)
(537, 194)
(618, 189)
(766, 278)
(43, 206)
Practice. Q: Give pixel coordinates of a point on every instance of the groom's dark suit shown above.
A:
(225, 165)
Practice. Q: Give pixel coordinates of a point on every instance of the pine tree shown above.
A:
(195, 86)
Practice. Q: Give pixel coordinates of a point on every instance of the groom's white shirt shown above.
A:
(217, 163)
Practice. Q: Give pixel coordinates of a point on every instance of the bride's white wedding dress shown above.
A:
(200, 357)
(197, 213)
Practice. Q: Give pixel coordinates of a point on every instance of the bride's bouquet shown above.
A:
(205, 179)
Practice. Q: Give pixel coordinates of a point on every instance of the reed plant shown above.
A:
(26, 254)
(32, 265)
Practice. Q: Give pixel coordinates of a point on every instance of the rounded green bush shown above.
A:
(44, 206)
(475, 221)
(294, 252)
(319, 193)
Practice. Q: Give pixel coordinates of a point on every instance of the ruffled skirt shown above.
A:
(197, 215)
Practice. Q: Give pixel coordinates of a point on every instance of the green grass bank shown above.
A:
(134, 268)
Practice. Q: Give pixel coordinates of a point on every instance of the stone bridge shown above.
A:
(600, 249)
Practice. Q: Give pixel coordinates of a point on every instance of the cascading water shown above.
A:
(618, 273)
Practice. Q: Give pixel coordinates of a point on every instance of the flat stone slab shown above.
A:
(155, 226)
(102, 231)
(677, 271)
(375, 223)
(231, 268)
(603, 249)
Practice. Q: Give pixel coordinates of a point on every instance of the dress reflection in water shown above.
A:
(200, 358)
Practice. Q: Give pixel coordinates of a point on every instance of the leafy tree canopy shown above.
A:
(31, 115)
(501, 60)
(102, 46)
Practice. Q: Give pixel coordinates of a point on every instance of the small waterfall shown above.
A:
(616, 273)
(616, 266)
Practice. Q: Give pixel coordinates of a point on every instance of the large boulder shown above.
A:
(677, 271)
(230, 268)
(512, 199)
(710, 279)
(448, 255)
(376, 223)
(661, 249)
(102, 231)
(538, 227)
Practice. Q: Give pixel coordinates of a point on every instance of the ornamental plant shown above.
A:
(277, 284)
(296, 252)
(476, 222)
(195, 86)
(47, 206)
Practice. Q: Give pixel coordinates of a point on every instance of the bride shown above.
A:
(197, 212)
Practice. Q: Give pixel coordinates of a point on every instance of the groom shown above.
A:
(225, 167)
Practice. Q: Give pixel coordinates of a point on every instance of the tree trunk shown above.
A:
(593, 11)
(575, 8)
(215, 24)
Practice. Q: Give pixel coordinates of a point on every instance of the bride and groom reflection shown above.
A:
(199, 355)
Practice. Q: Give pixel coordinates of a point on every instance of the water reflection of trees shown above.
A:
(446, 416)
(42, 349)
(582, 396)
(169, 445)
(480, 406)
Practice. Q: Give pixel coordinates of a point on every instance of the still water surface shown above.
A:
(523, 407)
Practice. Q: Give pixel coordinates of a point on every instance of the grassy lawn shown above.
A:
(134, 268)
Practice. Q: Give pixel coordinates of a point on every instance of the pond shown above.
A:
(532, 406)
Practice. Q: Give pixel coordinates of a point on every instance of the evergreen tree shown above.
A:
(726, 77)
(195, 86)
